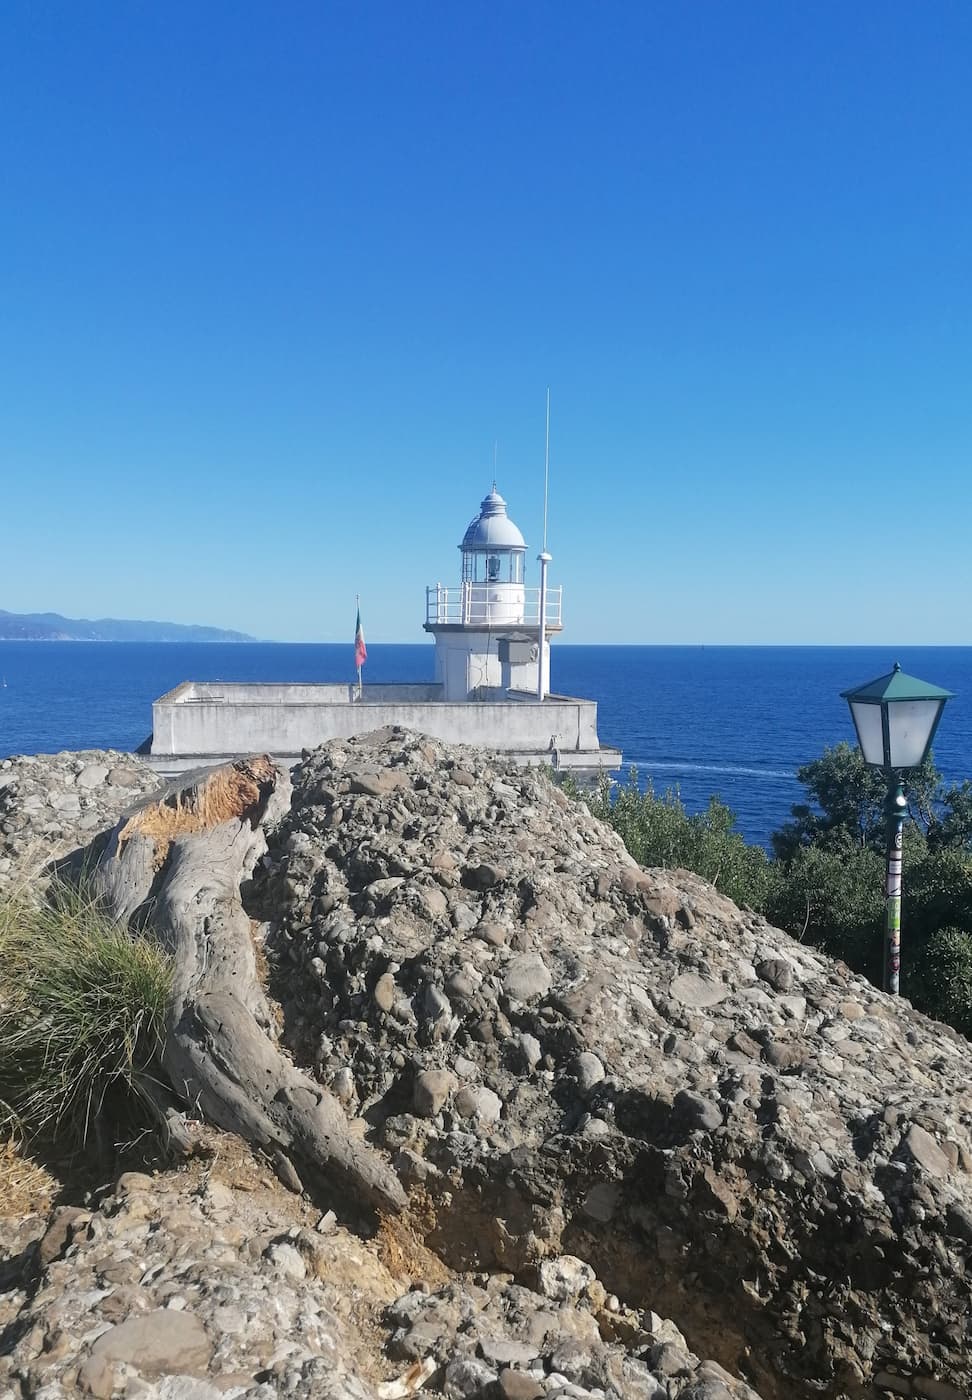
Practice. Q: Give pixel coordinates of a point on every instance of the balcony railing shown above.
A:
(493, 605)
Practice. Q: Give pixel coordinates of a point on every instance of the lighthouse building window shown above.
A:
(492, 569)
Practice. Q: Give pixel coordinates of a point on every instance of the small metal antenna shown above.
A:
(495, 455)
(546, 471)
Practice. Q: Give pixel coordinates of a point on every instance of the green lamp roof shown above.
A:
(896, 685)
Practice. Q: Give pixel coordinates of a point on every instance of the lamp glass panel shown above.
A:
(910, 722)
(867, 720)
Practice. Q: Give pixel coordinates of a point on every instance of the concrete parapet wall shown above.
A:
(231, 719)
(292, 693)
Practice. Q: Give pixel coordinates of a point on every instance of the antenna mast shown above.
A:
(544, 559)
(546, 471)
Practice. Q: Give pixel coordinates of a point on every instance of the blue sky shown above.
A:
(275, 277)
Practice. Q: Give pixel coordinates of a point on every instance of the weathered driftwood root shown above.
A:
(177, 865)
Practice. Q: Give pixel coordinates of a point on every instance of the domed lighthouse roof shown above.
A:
(492, 527)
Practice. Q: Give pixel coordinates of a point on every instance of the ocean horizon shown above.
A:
(705, 719)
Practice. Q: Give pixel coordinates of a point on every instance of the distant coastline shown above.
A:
(53, 627)
(156, 641)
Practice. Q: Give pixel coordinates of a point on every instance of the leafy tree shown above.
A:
(849, 803)
(831, 862)
(937, 891)
(951, 824)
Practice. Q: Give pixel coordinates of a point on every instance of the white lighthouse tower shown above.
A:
(491, 641)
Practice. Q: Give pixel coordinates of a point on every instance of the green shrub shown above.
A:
(941, 978)
(833, 897)
(659, 832)
(82, 1007)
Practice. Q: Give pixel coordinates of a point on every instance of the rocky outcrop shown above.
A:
(567, 1054)
(612, 1096)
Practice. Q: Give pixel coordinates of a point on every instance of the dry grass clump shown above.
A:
(25, 1186)
(82, 1007)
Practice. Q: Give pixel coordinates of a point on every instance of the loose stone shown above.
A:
(565, 1278)
(526, 977)
(588, 1071)
(385, 992)
(476, 1101)
(433, 1088)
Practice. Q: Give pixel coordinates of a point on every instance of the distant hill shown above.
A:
(51, 627)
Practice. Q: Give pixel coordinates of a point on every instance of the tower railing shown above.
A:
(492, 605)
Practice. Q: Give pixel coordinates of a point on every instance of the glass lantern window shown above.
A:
(911, 724)
(492, 567)
(867, 722)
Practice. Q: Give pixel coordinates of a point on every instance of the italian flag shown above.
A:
(360, 650)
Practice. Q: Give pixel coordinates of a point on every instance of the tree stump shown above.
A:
(175, 866)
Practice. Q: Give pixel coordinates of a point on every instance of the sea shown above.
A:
(736, 722)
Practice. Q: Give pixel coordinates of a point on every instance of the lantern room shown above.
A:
(493, 549)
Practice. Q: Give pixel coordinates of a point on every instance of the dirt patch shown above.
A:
(470, 1236)
(403, 1251)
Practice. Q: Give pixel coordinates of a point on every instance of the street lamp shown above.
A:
(895, 717)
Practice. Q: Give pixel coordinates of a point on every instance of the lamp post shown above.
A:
(895, 717)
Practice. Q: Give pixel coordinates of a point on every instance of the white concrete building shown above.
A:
(491, 687)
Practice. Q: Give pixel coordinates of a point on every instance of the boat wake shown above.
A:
(729, 769)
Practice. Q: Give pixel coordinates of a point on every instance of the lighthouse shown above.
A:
(492, 632)
(491, 689)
